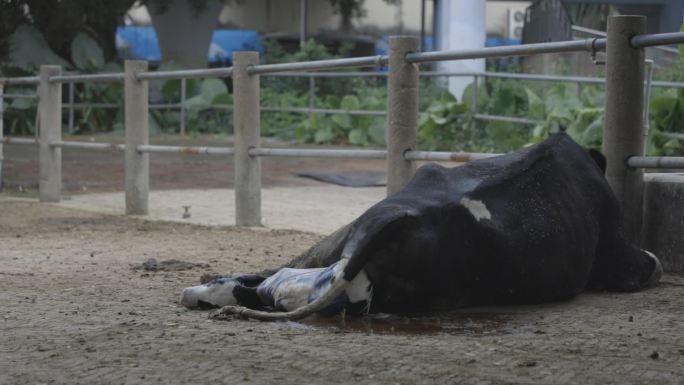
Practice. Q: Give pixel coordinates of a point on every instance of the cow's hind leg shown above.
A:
(620, 266)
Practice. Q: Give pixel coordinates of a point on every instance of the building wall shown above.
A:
(271, 16)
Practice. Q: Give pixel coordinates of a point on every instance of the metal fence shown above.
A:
(623, 133)
(478, 77)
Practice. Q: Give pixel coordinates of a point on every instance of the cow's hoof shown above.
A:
(228, 313)
(654, 279)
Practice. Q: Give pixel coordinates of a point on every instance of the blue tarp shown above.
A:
(134, 42)
(381, 46)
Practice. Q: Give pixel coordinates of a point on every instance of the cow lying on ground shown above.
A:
(537, 225)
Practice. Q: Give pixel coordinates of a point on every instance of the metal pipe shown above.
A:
(673, 162)
(16, 96)
(224, 72)
(641, 41)
(505, 51)
(350, 74)
(26, 80)
(20, 141)
(83, 78)
(623, 133)
(368, 61)
(502, 75)
(71, 108)
(182, 105)
(317, 153)
(149, 148)
(312, 95)
(87, 145)
(440, 156)
(305, 110)
(509, 119)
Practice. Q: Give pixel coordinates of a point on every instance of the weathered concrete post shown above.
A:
(2, 128)
(247, 131)
(623, 134)
(137, 133)
(402, 111)
(50, 130)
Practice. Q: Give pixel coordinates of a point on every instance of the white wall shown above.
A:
(461, 25)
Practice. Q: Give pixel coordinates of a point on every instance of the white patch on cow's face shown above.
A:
(657, 272)
(218, 292)
(476, 208)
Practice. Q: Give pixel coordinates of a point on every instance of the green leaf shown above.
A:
(210, 88)
(343, 120)
(86, 53)
(376, 131)
(29, 48)
(358, 137)
(350, 102)
(535, 104)
(222, 99)
(324, 135)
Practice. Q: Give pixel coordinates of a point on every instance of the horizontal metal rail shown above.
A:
(84, 78)
(596, 32)
(367, 61)
(675, 162)
(508, 119)
(590, 45)
(440, 156)
(88, 145)
(23, 141)
(18, 96)
(317, 153)
(27, 80)
(641, 41)
(349, 74)
(306, 110)
(224, 72)
(149, 148)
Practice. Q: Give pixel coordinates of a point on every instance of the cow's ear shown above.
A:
(370, 232)
(599, 158)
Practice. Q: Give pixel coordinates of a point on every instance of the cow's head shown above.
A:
(215, 293)
(219, 292)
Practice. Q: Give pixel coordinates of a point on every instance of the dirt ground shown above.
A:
(75, 311)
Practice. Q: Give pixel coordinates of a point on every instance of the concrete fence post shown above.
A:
(247, 132)
(2, 129)
(623, 133)
(402, 111)
(136, 115)
(50, 130)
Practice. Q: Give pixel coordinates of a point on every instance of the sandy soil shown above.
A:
(319, 209)
(75, 311)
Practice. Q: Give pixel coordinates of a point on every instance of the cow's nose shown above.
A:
(188, 299)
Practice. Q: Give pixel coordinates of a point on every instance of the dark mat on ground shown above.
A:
(348, 178)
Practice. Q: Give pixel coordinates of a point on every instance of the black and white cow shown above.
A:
(537, 225)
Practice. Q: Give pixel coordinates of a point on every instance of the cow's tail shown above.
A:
(337, 287)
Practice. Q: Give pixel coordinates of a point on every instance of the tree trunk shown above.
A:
(185, 36)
